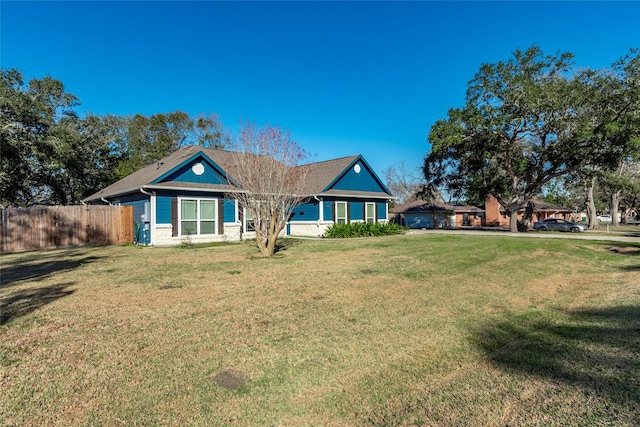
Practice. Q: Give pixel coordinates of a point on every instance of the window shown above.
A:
(341, 212)
(370, 212)
(198, 216)
(249, 225)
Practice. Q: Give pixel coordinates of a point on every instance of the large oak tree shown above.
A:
(526, 121)
(30, 112)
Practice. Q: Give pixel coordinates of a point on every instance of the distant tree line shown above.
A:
(536, 126)
(50, 155)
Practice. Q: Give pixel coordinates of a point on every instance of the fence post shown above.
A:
(5, 230)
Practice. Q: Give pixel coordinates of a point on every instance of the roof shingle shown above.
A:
(319, 176)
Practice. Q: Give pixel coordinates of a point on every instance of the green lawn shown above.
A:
(630, 230)
(400, 330)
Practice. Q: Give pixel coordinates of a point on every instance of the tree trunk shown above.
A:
(262, 238)
(271, 247)
(513, 221)
(623, 217)
(615, 206)
(262, 245)
(591, 205)
(528, 215)
(267, 244)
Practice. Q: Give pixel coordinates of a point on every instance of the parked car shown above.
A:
(604, 218)
(558, 224)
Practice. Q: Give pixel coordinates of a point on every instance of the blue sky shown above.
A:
(345, 78)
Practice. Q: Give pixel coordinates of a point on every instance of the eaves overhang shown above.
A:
(155, 187)
(356, 195)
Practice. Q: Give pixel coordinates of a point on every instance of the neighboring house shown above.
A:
(420, 214)
(496, 215)
(187, 195)
(468, 216)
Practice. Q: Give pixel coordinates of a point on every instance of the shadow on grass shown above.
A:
(632, 234)
(631, 250)
(285, 244)
(596, 350)
(623, 248)
(40, 264)
(23, 302)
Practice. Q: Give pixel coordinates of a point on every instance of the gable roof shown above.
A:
(422, 206)
(320, 176)
(158, 170)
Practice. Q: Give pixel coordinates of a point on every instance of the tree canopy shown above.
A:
(30, 115)
(528, 121)
(51, 155)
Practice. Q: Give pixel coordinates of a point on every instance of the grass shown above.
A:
(631, 230)
(399, 330)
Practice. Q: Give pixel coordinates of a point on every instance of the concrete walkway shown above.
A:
(587, 235)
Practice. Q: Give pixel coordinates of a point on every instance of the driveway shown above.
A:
(588, 235)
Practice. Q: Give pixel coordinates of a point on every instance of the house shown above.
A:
(468, 216)
(420, 214)
(197, 180)
(496, 216)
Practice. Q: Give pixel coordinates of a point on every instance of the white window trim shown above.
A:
(244, 222)
(236, 213)
(346, 212)
(198, 200)
(366, 212)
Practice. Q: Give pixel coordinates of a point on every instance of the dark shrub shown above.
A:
(363, 229)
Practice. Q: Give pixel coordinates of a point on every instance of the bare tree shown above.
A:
(403, 182)
(266, 170)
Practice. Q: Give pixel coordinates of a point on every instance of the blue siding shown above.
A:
(229, 210)
(163, 205)
(357, 211)
(306, 212)
(131, 199)
(163, 209)
(327, 207)
(138, 208)
(363, 181)
(185, 174)
(382, 210)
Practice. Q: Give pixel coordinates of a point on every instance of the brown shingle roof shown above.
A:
(146, 175)
(542, 206)
(467, 208)
(422, 206)
(320, 174)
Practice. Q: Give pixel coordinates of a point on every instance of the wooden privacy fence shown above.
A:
(45, 227)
